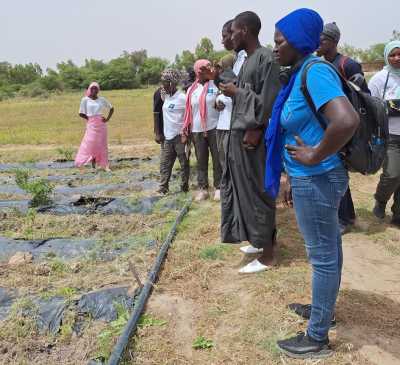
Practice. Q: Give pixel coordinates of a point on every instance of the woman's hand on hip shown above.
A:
(306, 155)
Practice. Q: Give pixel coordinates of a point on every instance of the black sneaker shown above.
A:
(304, 347)
(304, 311)
(379, 210)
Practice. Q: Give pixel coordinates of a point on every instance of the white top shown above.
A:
(240, 58)
(173, 113)
(224, 121)
(377, 85)
(92, 107)
(212, 113)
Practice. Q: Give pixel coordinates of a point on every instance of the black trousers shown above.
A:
(347, 214)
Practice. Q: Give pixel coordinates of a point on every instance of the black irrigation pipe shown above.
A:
(145, 293)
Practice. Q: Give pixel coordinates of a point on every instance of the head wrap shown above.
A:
(188, 119)
(93, 84)
(302, 29)
(388, 50)
(332, 31)
(171, 75)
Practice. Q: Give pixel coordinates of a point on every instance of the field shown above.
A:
(201, 310)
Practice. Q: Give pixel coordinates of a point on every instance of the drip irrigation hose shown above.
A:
(145, 293)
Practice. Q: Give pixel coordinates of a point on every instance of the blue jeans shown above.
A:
(316, 201)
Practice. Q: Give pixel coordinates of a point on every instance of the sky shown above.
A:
(50, 31)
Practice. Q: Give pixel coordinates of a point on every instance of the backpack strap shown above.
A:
(342, 64)
(386, 84)
(306, 92)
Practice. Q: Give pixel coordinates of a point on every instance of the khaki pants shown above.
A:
(170, 150)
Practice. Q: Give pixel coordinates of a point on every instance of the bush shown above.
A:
(40, 189)
(34, 90)
(66, 153)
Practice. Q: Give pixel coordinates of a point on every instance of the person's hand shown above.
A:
(229, 89)
(287, 192)
(220, 106)
(252, 138)
(159, 138)
(184, 138)
(306, 155)
(208, 72)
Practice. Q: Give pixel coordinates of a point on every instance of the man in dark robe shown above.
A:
(248, 212)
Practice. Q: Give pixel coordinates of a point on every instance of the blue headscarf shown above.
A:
(302, 29)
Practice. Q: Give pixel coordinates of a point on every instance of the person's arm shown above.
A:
(82, 109)
(110, 113)
(158, 117)
(255, 104)
(342, 119)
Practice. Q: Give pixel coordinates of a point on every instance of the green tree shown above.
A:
(351, 51)
(373, 53)
(51, 81)
(24, 74)
(71, 75)
(185, 60)
(119, 74)
(92, 70)
(151, 69)
(135, 58)
(205, 49)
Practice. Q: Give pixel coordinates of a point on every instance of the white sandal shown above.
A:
(250, 250)
(254, 267)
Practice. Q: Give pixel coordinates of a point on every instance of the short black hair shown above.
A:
(228, 24)
(251, 20)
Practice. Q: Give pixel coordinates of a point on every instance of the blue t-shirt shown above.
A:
(297, 118)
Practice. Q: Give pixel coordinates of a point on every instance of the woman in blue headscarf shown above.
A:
(386, 85)
(316, 174)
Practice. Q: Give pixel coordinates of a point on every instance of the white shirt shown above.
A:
(212, 113)
(377, 86)
(240, 58)
(92, 107)
(224, 121)
(173, 113)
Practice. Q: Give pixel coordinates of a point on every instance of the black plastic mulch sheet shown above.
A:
(65, 249)
(87, 205)
(99, 305)
(102, 304)
(7, 298)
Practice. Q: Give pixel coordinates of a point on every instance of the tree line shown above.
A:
(131, 70)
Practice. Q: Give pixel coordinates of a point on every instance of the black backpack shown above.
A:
(366, 151)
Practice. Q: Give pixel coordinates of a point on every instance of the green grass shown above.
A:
(201, 343)
(216, 252)
(56, 121)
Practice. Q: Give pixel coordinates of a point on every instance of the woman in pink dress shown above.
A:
(93, 148)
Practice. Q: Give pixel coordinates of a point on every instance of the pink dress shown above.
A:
(94, 143)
